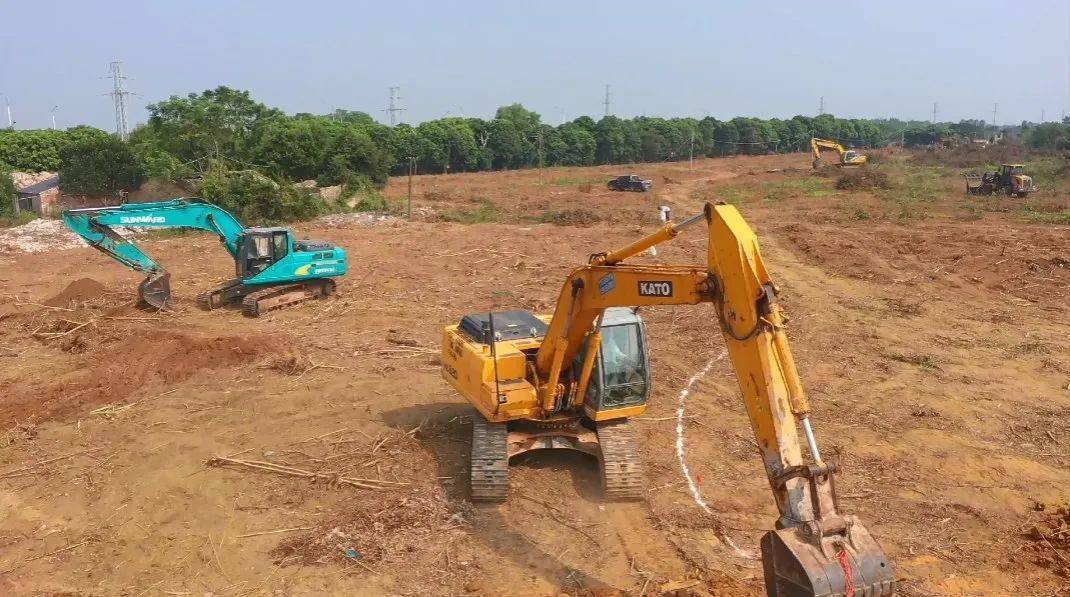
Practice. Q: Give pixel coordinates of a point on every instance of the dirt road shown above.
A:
(935, 350)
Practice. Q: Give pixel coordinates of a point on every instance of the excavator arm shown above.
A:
(96, 227)
(816, 145)
(816, 550)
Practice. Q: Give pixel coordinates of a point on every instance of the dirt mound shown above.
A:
(114, 373)
(392, 534)
(79, 291)
(1049, 539)
(863, 180)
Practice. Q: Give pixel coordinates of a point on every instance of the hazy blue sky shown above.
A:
(662, 58)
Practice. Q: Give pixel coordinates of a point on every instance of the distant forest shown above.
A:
(225, 129)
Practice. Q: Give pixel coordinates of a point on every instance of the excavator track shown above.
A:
(488, 472)
(256, 303)
(622, 471)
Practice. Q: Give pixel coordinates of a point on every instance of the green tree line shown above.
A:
(184, 134)
(224, 129)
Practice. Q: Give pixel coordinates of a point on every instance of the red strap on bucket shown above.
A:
(844, 559)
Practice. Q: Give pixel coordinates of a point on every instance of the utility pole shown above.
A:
(821, 106)
(995, 110)
(934, 112)
(605, 102)
(412, 170)
(395, 97)
(691, 153)
(1042, 116)
(538, 138)
(10, 122)
(118, 95)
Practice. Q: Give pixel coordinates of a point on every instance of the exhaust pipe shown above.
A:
(155, 291)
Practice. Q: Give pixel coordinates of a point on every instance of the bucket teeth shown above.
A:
(797, 563)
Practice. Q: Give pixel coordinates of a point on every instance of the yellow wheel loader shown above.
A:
(847, 157)
(573, 379)
(1010, 179)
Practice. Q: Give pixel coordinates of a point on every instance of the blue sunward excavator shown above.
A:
(272, 269)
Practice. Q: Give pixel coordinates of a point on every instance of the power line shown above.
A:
(395, 97)
(605, 102)
(118, 95)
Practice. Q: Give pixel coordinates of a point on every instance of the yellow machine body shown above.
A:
(500, 396)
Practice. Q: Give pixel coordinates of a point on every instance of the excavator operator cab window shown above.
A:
(279, 245)
(849, 156)
(621, 355)
(260, 249)
(621, 375)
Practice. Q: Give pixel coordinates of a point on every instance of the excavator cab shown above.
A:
(261, 247)
(1011, 169)
(621, 374)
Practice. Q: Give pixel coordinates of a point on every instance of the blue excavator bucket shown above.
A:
(799, 562)
(155, 291)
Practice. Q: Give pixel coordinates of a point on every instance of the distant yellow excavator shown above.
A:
(572, 381)
(848, 157)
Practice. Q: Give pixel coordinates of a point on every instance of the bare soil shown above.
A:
(936, 351)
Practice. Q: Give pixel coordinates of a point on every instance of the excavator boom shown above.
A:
(815, 550)
(96, 227)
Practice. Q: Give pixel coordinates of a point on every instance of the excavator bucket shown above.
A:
(155, 291)
(851, 564)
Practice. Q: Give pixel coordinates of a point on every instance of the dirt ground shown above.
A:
(935, 347)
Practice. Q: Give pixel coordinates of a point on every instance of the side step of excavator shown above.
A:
(613, 443)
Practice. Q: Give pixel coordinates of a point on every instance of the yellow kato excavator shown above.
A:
(848, 157)
(572, 381)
